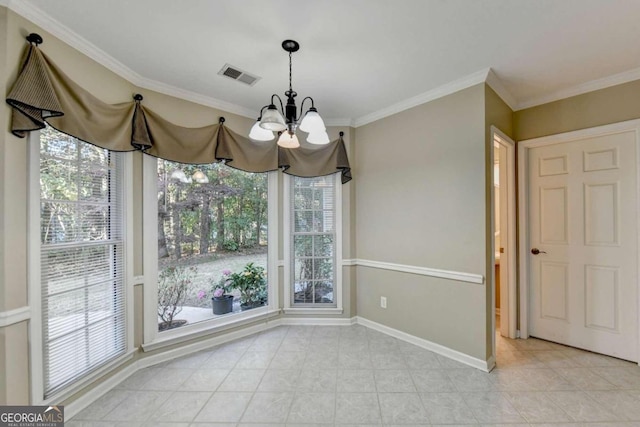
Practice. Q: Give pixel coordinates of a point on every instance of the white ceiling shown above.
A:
(358, 57)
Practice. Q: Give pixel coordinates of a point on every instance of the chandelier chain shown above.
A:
(290, 87)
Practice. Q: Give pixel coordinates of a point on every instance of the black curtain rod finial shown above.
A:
(137, 97)
(341, 134)
(34, 39)
(221, 121)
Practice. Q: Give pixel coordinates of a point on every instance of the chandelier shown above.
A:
(286, 119)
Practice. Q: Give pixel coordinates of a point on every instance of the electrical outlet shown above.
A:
(383, 302)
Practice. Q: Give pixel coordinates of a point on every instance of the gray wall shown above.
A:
(420, 198)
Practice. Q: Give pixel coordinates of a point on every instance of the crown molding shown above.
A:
(187, 95)
(36, 15)
(496, 84)
(339, 122)
(582, 88)
(433, 94)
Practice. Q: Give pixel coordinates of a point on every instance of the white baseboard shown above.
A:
(483, 365)
(95, 393)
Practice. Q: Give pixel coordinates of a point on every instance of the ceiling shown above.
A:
(358, 57)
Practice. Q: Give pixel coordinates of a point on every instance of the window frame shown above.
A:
(152, 338)
(289, 306)
(34, 279)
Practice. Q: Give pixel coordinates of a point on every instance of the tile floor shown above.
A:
(352, 375)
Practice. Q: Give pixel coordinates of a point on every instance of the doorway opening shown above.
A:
(503, 200)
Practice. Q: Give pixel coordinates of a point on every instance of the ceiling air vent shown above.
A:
(236, 73)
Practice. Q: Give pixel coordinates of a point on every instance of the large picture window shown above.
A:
(212, 242)
(313, 241)
(82, 272)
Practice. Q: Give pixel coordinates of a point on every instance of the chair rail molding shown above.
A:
(423, 271)
(11, 317)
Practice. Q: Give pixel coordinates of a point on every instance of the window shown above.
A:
(82, 263)
(212, 228)
(313, 218)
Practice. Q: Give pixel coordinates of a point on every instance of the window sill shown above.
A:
(309, 310)
(176, 336)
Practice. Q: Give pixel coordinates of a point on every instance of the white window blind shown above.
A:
(82, 259)
(313, 237)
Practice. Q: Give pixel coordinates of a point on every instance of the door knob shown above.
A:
(537, 251)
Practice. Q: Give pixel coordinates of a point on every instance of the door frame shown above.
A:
(523, 204)
(509, 312)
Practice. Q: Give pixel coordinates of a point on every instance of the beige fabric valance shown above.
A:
(43, 93)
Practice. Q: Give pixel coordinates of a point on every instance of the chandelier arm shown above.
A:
(302, 112)
(275, 95)
(262, 111)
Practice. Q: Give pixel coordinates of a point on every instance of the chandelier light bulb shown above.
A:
(318, 138)
(259, 134)
(312, 122)
(272, 120)
(288, 140)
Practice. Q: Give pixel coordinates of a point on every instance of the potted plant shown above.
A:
(221, 301)
(251, 282)
(173, 287)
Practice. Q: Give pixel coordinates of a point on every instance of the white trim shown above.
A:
(138, 280)
(95, 393)
(205, 328)
(423, 271)
(153, 340)
(150, 254)
(289, 307)
(523, 204)
(582, 88)
(273, 242)
(313, 311)
(510, 314)
(496, 84)
(340, 122)
(17, 315)
(349, 262)
(86, 381)
(127, 206)
(33, 272)
(430, 95)
(428, 345)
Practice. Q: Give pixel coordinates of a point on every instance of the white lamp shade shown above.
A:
(288, 140)
(199, 177)
(272, 120)
(318, 138)
(312, 123)
(179, 175)
(259, 134)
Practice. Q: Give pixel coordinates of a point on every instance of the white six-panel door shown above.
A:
(583, 284)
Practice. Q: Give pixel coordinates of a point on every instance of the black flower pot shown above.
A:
(223, 304)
